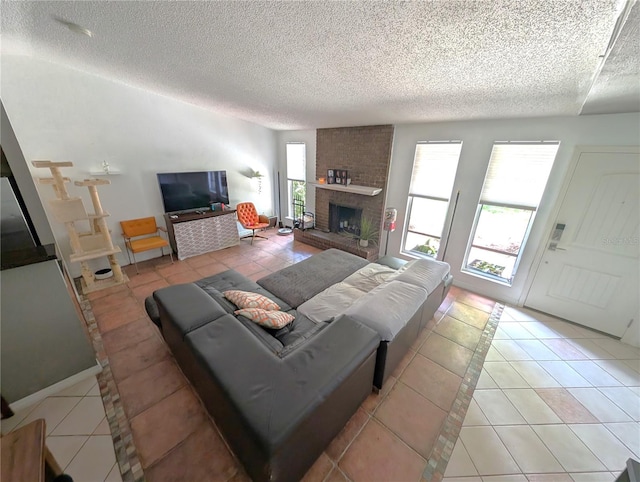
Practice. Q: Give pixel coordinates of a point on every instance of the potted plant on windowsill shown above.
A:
(368, 233)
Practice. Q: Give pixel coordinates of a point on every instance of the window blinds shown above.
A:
(434, 169)
(518, 173)
(296, 161)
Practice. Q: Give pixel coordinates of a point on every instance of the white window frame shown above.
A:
(413, 195)
(525, 206)
(299, 176)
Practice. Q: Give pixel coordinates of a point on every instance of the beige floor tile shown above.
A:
(557, 477)
(541, 330)
(65, 448)
(505, 478)
(634, 364)
(593, 477)
(53, 410)
(487, 452)
(534, 374)
(611, 452)
(493, 355)
(599, 405)
(515, 330)
(624, 398)
(531, 455)
(114, 474)
(80, 389)
(505, 375)
(591, 349)
(563, 328)
(460, 464)
(485, 381)
(497, 407)
(83, 419)
(618, 349)
(510, 350)
(462, 479)
(517, 313)
(102, 428)
(594, 374)
(537, 350)
(94, 461)
(628, 433)
(474, 416)
(564, 374)
(532, 407)
(95, 391)
(621, 371)
(567, 448)
(500, 334)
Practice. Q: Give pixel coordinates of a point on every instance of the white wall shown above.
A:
(478, 138)
(309, 138)
(61, 114)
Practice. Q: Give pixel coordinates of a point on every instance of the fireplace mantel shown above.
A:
(352, 188)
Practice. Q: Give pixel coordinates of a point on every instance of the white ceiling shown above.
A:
(299, 65)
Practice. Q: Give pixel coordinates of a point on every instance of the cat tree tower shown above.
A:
(85, 245)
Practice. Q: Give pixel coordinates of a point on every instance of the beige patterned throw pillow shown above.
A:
(246, 299)
(268, 319)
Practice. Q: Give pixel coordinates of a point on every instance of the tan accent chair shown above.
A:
(148, 232)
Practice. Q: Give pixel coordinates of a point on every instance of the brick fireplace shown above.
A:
(366, 153)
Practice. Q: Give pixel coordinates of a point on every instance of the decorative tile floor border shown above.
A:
(441, 453)
(125, 450)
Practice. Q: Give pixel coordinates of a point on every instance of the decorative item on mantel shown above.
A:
(338, 176)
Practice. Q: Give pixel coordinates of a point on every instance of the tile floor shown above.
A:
(388, 438)
(555, 402)
(78, 433)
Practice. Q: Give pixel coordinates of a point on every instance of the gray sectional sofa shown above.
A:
(280, 396)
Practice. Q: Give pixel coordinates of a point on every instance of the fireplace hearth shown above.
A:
(344, 219)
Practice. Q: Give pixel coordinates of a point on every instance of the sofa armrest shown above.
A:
(187, 307)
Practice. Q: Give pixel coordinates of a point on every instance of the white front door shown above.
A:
(589, 271)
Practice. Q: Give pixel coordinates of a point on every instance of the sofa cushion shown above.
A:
(302, 281)
(232, 280)
(247, 299)
(427, 273)
(267, 318)
(332, 302)
(388, 308)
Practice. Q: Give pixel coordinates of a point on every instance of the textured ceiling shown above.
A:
(294, 65)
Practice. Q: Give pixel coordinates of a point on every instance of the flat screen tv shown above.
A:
(188, 191)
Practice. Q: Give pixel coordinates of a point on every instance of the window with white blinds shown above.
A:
(434, 171)
(296, 177)
(512, 190)
(518, 173)
(296, 161)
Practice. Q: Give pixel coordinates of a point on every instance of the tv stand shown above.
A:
(194, 233)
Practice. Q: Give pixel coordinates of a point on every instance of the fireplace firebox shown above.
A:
(344, 219)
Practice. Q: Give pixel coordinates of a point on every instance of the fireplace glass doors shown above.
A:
(344, 219)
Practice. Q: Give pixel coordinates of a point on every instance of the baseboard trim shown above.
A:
(40, 395)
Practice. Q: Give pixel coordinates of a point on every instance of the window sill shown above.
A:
(486, 277)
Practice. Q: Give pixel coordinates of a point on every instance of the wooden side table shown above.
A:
(25, 455)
